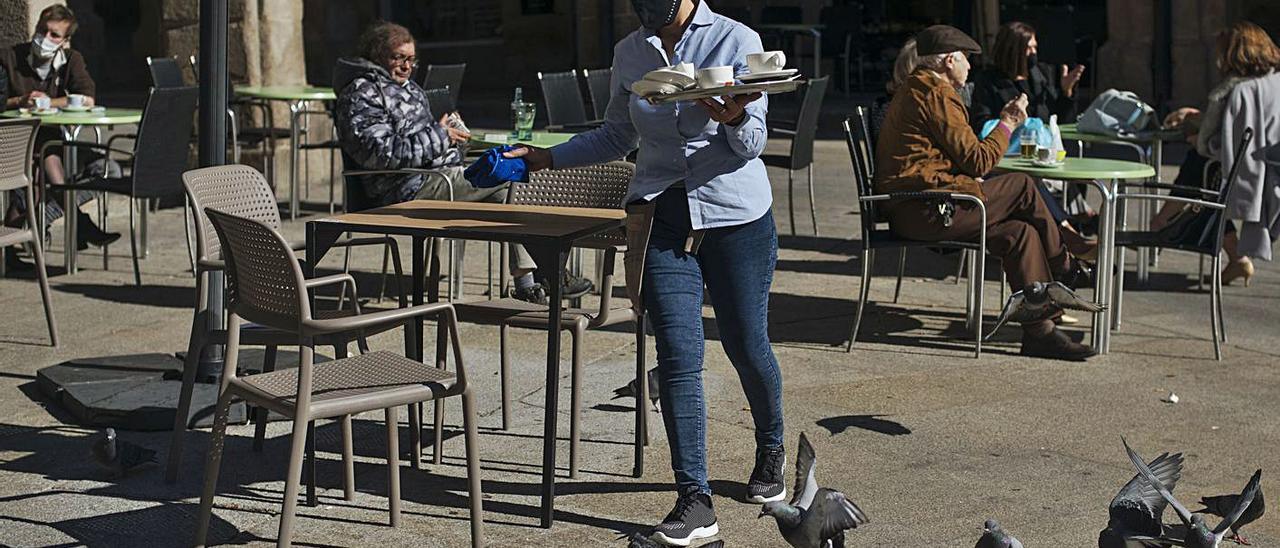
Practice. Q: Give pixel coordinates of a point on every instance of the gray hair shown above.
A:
(937, 62)
(903, 66)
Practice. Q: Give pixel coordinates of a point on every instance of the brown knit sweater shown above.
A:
(73, 77)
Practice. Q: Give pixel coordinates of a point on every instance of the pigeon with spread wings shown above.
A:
(1222, 504)
(1040, 301)
(816, 517)
(1136, 513)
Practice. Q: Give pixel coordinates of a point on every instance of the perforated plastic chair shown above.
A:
(599, 186)
(440, 101)
(598, 81)
(17, 138)
(444, 76)
(243, 191)
(266, 285)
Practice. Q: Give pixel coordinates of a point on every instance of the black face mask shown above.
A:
(655, 14)
(1032, 60)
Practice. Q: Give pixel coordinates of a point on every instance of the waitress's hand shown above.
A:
(535, 159)
(732, 110)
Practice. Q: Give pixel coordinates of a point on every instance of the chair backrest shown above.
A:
(354, 198)
(857, 137)
(444, 76)
(598, 81)
(165, 72)
(235, 189)
(264, 282)
(807, 123)
(163, 144)
(563, 97)
(601, 186)
(440, 101)
(1224, 194)
(17, 137)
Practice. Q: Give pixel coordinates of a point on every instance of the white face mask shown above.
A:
(45, 48)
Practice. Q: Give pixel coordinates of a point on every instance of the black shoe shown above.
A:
(765, 484)
(693, 518)
(1078, 275)
(533, 294)
(571, 287)
(89, 233)
(13, 264)
(1055, 345)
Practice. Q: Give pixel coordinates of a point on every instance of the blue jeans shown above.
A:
(736, 265)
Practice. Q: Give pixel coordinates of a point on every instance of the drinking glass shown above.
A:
(524, 120)
(1028, 144)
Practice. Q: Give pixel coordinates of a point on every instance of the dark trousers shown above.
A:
(735, 264)
(1020, 229)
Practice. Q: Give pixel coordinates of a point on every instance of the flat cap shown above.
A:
(944, 39)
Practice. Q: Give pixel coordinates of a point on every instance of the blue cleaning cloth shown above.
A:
(492, 169)
(1033, 124)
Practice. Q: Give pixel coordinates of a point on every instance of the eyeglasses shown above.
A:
(399, 59)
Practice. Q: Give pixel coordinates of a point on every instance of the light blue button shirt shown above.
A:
(719, 164)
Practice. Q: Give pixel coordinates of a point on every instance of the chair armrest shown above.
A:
(44, 149)
(1167, 186)
(401, 171)
(374, 319)
(209, 265)
(783, 131)
(1167, 198)
(321, 281)
(921, 195)
(128, 136)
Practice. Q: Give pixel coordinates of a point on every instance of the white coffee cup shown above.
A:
(769, 61)
(43, 103)
(714, 77)
(75, 100)
(682, 68)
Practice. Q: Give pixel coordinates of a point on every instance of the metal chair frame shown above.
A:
(17, 141)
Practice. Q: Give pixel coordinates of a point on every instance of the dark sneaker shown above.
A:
(572, 287)
(1055, 345)
(693, 518)
(1078, 275)
(533, 294)
(766, 479)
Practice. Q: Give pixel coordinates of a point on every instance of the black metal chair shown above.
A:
(598, 81)
(17, 139)
(440, 101)
(159, 157)
(1208, 244)
(801, 154)
(444, 76)
(874, 237)
(566, 110)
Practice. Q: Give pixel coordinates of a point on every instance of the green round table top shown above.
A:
(494, 137)
(1081, 169)
(288, 93)
(108, 117)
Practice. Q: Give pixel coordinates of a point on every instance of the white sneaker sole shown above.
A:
(699, 533)
(774, 498)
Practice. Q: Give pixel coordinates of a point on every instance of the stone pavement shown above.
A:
(927, 439)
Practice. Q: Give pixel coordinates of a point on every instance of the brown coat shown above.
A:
(73, 77)
(926, 142)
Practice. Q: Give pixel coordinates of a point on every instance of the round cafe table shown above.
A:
(485, 138)
(297, 98)
(71, 124)
(1105, 175)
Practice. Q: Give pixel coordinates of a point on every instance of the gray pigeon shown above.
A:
(994, 536)
(1198, 534)
(816, 517)
(1136, 511)
(629, 390)
(118, 456)
(1040, 301)
(1222, 504)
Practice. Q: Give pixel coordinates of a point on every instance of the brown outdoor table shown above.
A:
(547, 233)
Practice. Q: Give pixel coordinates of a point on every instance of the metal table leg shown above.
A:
(69, 203)
(294, 108)
(554, 260)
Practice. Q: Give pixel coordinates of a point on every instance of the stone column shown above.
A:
(1196, 24)
(1124, 61)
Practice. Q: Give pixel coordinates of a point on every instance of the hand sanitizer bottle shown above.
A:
(1059, 151)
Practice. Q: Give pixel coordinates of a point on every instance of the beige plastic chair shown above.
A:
(265, 285)
(242, 190)
(599, 186)
(17, 139)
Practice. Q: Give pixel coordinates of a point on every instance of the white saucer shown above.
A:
(81, 108)
(649, 88)
(668, 76)
(1047, 163)
(44, 111)
(766, 76)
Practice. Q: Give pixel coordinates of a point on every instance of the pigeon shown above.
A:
(629, 390)
(994, 536)
(1136, 511)
(1198, 534)
(1222, 504)
(816, 517)
(1040, 301)
(118, 456)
